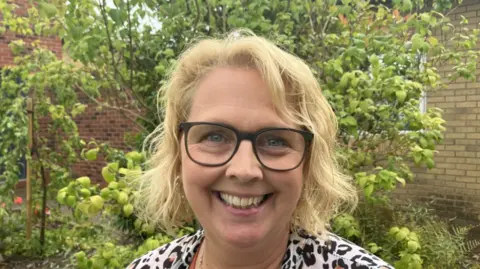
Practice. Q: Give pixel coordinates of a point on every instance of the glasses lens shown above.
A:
(210, 144)
(280, 149)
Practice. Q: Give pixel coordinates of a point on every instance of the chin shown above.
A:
(244, 235)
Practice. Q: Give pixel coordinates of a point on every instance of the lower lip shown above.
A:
(243, 212)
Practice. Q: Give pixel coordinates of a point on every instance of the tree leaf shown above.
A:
(116, 15)
(349, 121)
(50, 10)
(428, 153)
(417, 42)
(417, 158)
(368, 190)
(430, 163)
(407, 5)
(353, 105)
(38, 28)
(433, 41)
(364, 105)
(169, 53)
(423, 143)
(362, 181)
(401, 95)
(78, 109)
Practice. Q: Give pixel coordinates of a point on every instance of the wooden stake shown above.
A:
(29, 167)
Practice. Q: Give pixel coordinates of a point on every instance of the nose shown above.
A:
(244, 165)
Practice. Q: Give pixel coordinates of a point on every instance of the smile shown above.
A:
(242, 202)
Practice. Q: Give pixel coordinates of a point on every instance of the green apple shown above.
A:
(91, 155)
(122, 198)
(85, 192)
(61, 197)
(107, 175)
(128, 210)
(96, 203)
(84, 181)
(71, 200)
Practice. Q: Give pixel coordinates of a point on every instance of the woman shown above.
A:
(247, 149)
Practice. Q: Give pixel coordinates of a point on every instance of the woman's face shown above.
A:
(239, 98)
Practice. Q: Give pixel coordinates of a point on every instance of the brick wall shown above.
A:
(6, 57)
(107, 125)
(104, 126)
(454, 184)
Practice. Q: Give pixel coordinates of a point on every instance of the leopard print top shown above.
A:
(303, 251)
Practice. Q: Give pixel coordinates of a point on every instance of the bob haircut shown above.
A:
(296, 96)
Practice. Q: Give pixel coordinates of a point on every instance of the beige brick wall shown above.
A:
(454, 184)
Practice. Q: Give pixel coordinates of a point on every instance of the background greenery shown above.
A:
(374, 60)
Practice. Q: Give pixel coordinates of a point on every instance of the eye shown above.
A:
(275, 142)
(215, 137)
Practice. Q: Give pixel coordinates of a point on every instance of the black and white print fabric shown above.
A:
(303, 251)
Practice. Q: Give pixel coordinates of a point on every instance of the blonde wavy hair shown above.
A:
(296, 96)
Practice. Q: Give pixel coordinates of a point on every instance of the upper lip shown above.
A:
(244, 195)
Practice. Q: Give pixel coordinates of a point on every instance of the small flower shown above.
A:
(37, 210)
(18, 200)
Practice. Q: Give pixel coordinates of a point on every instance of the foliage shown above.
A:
(112, 204)
(450, 245)
(444, 244)
(374, 62)
(14, 240)
(417, 233)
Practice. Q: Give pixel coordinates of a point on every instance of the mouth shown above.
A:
(242, 202)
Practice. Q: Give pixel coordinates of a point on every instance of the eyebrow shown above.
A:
(263, 126)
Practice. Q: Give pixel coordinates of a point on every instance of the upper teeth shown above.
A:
(241, 201)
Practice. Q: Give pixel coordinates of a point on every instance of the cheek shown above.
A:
(195, 177)
(298, 187)
(189, 172)
(188, 168)
(296, 183)
(289, 184)
(192, 186)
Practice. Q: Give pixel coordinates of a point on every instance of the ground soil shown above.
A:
(58, 262)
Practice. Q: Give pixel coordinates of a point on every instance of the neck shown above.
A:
(267, 254)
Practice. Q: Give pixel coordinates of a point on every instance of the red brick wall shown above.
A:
(104, 126)
(107, 125)
(6, 57)
(454, 184)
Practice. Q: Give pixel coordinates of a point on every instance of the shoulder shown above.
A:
(176, 254)
(329, 252)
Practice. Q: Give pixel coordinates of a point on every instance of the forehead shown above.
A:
(235, 96)
(235, 86)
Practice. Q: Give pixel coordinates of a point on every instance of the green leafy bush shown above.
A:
(13, 236)
(417, 235)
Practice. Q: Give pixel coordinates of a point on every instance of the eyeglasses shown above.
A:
(215, 144)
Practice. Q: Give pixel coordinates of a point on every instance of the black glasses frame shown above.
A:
(252, 137)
